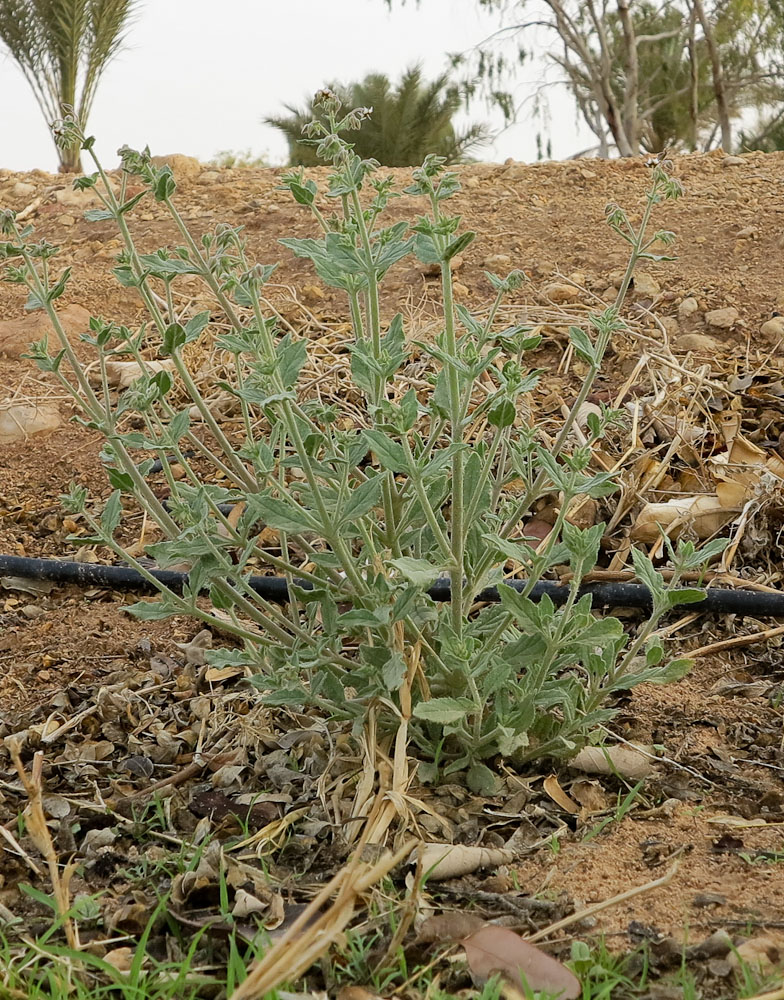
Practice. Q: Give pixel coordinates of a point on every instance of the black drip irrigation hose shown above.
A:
(274, 588)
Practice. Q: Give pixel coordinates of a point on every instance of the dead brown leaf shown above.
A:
(442, 861)
(558, 795)
(492, 950)
(628, 761)
(764, 953)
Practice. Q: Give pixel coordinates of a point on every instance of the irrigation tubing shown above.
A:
(273, 588)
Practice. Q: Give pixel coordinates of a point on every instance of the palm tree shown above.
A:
(63, 47)
(408, 121)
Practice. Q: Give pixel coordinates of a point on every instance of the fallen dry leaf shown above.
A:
(558, 795)
(492, 950)
(705, 514)
(628, 761)
(356, 993)
(739, 821)
(195, 649)
(217, 675)
(442, 861)
(764, 953)
(590, 794)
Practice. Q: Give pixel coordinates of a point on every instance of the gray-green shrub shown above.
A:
(383, 511)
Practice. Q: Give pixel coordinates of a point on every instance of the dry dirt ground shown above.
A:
(720, 729)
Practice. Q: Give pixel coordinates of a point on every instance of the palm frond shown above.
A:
(62, 47)
(107, 23)
(409, 121)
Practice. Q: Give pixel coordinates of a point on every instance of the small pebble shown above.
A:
(722, 319)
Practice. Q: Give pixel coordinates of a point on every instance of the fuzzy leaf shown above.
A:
(443, 711)
(418, 571)
(279, 513)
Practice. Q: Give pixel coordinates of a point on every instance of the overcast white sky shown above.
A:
(197, 76)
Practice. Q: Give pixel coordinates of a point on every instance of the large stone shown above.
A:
(184, 168)
(722, 319)
(20, 420)
(16, 335)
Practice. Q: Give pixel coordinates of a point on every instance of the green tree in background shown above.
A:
(63, 47)
(644, 74)
(409, 121)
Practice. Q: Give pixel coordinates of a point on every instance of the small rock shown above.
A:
(716, 946)
(515, 171)
(16, 335)
(671, 326)
(20, 420)
(433, 270)
(733, 161)
(460, 290)
(774, 328)
(81, 200)
(710, 899)
(497, 262)
(699, 342)
(559, 293)
(22, 190)
(471, 182)
(66, 220)
(120, 959)
(88, 555)
(722, 319)
(588, 175)
(646, 286)
(184, 168)
(749, 233)
(32, 611)
(121, 374)
(209, 177)
(688, 307)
